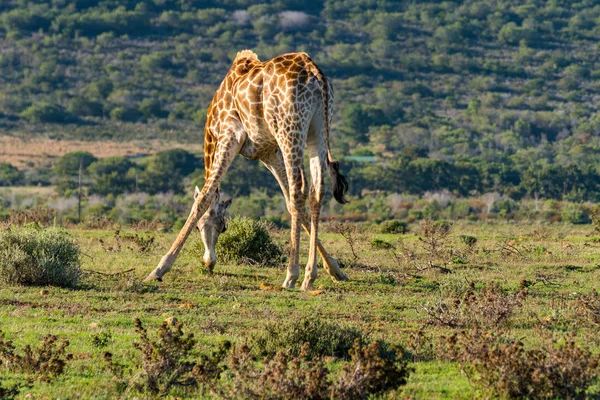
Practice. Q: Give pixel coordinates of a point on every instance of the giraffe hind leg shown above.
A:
(274, 163)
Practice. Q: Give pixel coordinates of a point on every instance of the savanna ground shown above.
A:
(391, 295)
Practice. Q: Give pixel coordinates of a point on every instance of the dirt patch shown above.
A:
(23, 153)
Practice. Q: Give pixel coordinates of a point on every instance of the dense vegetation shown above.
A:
(470, 96)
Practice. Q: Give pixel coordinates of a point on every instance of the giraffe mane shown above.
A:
(246, 54)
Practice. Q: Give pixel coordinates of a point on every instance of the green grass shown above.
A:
(382, 299)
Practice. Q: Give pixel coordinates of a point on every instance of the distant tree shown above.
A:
(82, 107)
(66, 170)
(112, 175)
(151, 108)
(99, 89)
(126, 114)
(166, 170)
(357, 118)
(9, 175)
(45, 112)
(156, 61)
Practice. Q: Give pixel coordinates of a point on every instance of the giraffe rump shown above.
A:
(340, 184)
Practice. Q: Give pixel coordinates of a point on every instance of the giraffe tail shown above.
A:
(340, 184)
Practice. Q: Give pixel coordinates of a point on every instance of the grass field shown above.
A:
(387, 297)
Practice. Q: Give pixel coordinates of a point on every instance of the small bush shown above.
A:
(40, 215)
(326, 339)
(283, 377)
(588, 307)
(468, 240)
(44, 363)
(31, 255)
(374, 369)
(509, 370)
(246, 241)
(163, 364)
(488, 308)
(233, 372)
(491, 307)
(381, 244)
(394, 226)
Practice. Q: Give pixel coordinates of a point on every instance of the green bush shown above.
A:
(325, 338)
(394, 226)
(31, 255)
(575, 214)
(246, 240)
(45, 112)
(9, 175)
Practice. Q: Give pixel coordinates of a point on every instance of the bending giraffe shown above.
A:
(268, 111)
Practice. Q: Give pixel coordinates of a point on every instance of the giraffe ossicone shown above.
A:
(270, 111)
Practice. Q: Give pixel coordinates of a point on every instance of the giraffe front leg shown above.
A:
(228, 149)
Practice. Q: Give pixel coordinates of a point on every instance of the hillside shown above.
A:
(472, 96)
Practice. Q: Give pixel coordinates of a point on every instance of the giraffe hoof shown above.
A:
(341, 277)
(153, 277)
(289, 283)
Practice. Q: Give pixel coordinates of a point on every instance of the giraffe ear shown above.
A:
(196, 192)
(225, 205)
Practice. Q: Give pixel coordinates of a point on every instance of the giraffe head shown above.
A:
(211, 225)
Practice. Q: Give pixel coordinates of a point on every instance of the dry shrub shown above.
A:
(135, 242)
(165, 363)
(588, 307)
(325, 338)
(443, 313)
(31, 255)
(350, 233)
(595, 216)
(490, 308)
(506, 369)
(233, 372)
(98, 222)
(283, 377)
(373, 370)
(434, 249)
(145, 225)
(43, 363)
(163, 360)
(43, 216)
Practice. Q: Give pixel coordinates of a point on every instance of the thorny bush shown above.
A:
(163, 360)
(43, 363)
(506, 369)
(490, 308)
(373, 369)
(432, 251)
(233, 372)
(325, 338)
(588, 306)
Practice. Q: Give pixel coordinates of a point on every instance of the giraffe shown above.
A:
(268, 111)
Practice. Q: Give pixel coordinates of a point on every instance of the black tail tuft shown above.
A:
(340, 184)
